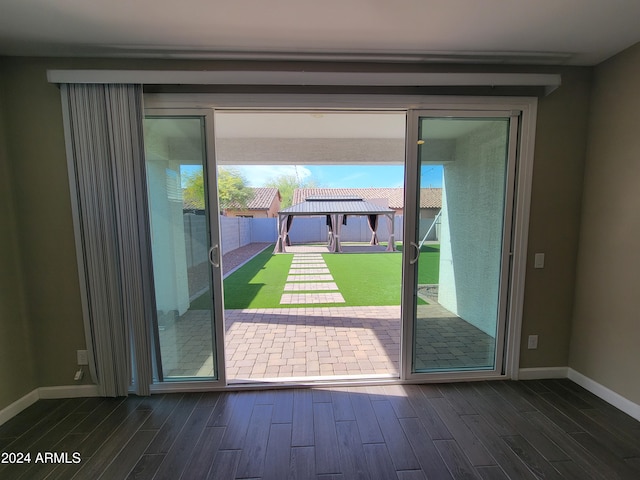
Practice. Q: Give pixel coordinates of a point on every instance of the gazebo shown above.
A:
(336, 209)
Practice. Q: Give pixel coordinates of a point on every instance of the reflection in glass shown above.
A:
(461, 244)
(175, 159)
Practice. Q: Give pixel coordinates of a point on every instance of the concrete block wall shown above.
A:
(238, 231)
(196, 242)
(264, 230)
(314, 230)
(234, 232)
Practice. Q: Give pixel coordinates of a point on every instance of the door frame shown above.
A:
(410, 265)
(214, 257)
(524, 107)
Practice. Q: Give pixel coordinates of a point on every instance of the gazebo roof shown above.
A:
(429, 197)
(326, 205)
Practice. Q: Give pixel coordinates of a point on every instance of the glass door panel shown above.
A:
(179, 204)
(459, 251)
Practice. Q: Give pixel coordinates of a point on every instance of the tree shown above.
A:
(232, 189)
(286, 184)
(193, 192)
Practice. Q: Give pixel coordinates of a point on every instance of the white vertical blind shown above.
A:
(105, 147)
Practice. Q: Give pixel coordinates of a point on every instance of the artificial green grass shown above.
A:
(263, 277)
(259, 283)
(367, 279)
(429, 265)
(363, 279)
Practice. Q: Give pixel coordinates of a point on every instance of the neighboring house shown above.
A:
(430, 202)
(393, 198)
(265, 203)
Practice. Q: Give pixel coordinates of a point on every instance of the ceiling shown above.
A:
(301, 138)
(330, 125)
(572, 32)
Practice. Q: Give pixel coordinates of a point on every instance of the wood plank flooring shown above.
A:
(549, 429)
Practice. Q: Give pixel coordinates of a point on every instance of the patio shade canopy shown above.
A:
(336, 209)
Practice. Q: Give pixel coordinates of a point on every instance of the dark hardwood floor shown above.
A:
(487, 430)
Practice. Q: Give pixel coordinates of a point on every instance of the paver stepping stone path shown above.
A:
(309, 275)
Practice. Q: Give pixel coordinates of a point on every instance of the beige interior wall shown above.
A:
(605, 344)
(554, 223)
(35, 146)
(35, 142)
(17, 374)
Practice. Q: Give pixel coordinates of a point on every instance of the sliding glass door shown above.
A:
(183, 212)
(457, 265)
(462, 259)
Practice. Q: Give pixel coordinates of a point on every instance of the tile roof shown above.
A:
(262, 198)
(191, 204)
(429, 197)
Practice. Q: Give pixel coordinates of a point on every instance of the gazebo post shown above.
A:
(337, 247)
(282, 224)
(372, 221)
(391, 244)
(335, 211)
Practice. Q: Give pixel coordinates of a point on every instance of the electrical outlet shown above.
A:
(78, 376)
(83, 358)
(538, 260)
(533, 342)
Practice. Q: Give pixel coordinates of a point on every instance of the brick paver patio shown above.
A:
(287, 342)
(308, 341)
(321, 341)
(310, 298)
(311, 342)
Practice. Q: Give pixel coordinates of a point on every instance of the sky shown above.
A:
(336, 176)
(341, 176)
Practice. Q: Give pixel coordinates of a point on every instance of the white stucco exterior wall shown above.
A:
(168, 236)
(472, 222)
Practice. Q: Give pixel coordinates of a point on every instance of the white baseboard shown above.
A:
(74, 391)
(19, 405)
(540, 373)
(66, 391)
(627, 406)
(608, 395)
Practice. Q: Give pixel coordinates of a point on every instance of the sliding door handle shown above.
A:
(214, 256)
(414, 259)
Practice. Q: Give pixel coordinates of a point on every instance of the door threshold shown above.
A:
(324, 380)
(311, 382)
